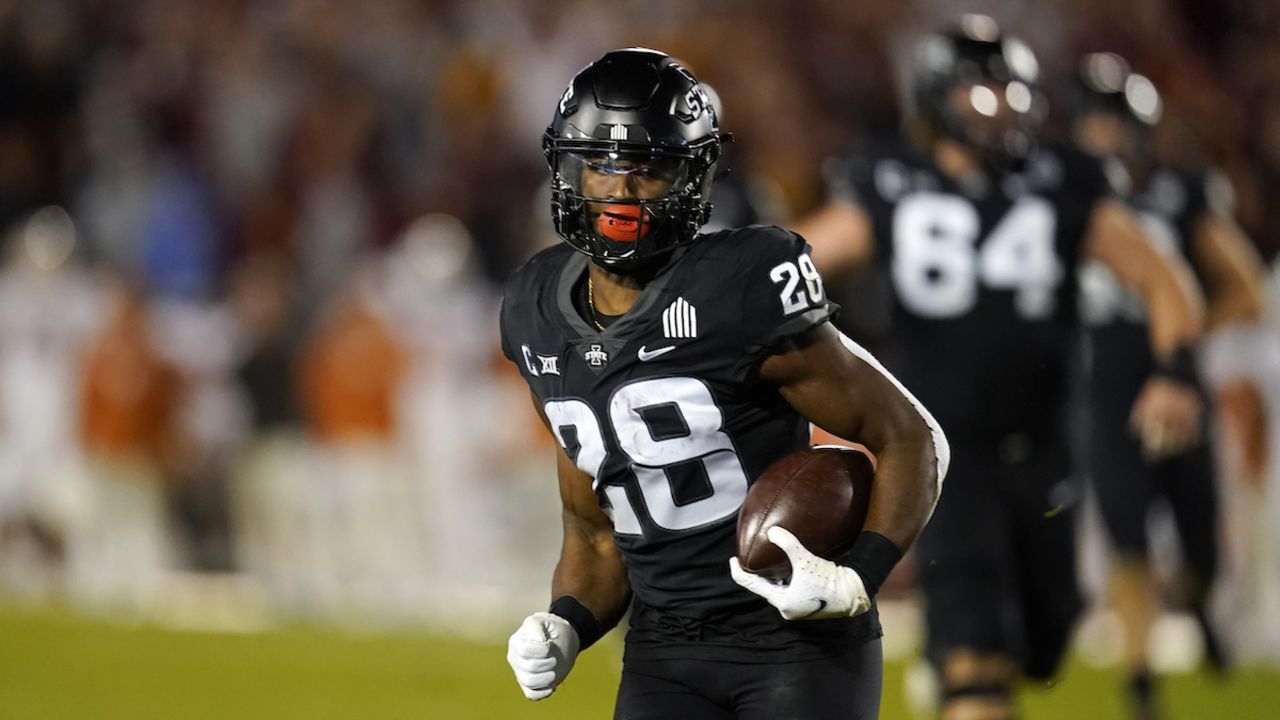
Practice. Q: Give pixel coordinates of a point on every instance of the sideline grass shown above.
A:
(55, 665)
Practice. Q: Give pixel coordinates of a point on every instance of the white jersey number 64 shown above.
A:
(938, 263)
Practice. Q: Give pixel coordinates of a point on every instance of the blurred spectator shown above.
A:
(49, 307)
(270, 471)
(357, 500)
(123, 544)
(351, 370)
(203, 343)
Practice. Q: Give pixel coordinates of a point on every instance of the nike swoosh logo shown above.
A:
(822, 605)
(647, 355)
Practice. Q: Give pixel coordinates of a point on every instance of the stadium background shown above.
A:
(259, 456)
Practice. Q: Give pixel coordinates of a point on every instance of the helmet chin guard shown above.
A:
(632, 147)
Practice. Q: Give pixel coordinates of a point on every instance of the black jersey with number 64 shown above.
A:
(984, 282)
(665, 411)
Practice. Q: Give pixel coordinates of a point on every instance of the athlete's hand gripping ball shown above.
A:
(819, 589)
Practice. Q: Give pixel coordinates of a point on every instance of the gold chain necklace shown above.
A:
(591, 303)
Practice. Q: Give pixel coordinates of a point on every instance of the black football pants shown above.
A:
(997, 562)
(1127, 486)
(845, 687)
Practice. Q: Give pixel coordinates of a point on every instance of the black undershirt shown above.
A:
(583, 306)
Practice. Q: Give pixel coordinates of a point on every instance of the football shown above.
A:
(820, 494)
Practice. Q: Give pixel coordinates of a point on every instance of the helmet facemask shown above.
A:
(625, 205)
(1000, 121)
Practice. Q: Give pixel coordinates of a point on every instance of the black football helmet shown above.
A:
(633, 148)
(1114, 113)
(1107, 85)
(979, 87)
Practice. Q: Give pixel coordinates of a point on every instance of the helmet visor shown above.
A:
(614, 176)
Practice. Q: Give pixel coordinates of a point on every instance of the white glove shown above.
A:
(819, 589)
(541, 653)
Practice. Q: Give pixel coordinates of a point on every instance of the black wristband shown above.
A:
(1179, 365)
(580, 619)
(873, 556)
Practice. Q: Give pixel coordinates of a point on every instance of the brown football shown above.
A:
(820, 494)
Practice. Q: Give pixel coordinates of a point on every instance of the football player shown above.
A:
(979, 230)
(672, 368)
(1183, 214)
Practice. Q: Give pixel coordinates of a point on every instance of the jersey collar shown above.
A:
(572, 272)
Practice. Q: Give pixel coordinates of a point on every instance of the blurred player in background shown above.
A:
(981, 231)
(1183, 214)
(672, 369)
(737, 199)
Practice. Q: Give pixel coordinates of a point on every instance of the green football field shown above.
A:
(56, 665)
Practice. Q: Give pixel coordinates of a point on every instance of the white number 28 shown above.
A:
(701, 439)
(795, 298)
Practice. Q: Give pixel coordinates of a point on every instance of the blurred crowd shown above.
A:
(252, 252)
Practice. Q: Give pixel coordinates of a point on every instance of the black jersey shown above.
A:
(1168, 207)
(984, 282)
(665, 411)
